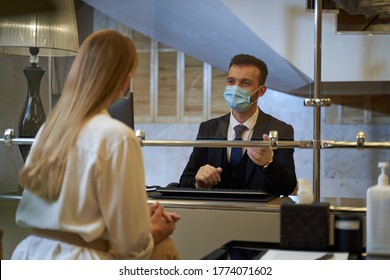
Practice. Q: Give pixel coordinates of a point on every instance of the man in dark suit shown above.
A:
(260, 168)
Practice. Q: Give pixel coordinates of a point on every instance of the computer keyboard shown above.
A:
(213, 194)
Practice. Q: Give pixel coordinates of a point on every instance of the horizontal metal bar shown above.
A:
(17, 141)
(6, 197)
(344, 144)
(304, 144)
(222, 143)
(14, 195)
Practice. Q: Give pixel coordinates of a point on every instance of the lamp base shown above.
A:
(24, 150)
(33, 114)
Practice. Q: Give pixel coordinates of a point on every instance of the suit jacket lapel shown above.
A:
(221, 134)
(261, 127)
(222, 127)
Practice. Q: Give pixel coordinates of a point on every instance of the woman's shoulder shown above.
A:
(106, 124)
(104, 131)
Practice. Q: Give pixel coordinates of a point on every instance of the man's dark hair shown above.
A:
(246, 59)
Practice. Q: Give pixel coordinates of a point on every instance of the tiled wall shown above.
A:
(344, 172)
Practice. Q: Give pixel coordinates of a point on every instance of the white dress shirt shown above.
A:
(102, 196)
(247, 134)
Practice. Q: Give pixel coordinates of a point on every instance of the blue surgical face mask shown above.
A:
(238, 98)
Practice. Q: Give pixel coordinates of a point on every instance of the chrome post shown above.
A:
(273, 139)
(317, 109)
(320, 102)
(360, 138)
(9, 134)
(140, 135)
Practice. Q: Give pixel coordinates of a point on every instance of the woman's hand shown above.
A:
(162, 223)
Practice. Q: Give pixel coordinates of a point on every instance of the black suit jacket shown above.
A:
(278, 178)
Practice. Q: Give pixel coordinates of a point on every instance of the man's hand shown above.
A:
(207, 176)
(261, 156)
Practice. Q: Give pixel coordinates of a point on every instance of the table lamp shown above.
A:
(50, 31)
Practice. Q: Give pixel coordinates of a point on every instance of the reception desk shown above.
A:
(205, 224)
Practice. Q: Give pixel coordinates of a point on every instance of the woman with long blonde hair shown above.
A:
(84, 180)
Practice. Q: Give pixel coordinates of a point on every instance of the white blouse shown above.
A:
(102, 196)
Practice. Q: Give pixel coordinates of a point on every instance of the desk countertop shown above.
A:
(355, 205)
(336, 204)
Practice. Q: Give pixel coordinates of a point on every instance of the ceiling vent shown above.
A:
(365, 7)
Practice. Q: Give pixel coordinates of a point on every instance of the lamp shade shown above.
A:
(53, 31)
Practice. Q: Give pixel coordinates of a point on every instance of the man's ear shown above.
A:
(261, 91)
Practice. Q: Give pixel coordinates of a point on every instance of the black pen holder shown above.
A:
(304, 226)
(348, 233)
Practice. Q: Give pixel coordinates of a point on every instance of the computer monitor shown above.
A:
(123, 110)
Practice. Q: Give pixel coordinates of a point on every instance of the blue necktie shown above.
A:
(236, 152)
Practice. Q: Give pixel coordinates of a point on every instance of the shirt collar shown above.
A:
(250, 123)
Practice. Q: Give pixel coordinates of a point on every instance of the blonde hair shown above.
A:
(97, 77)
